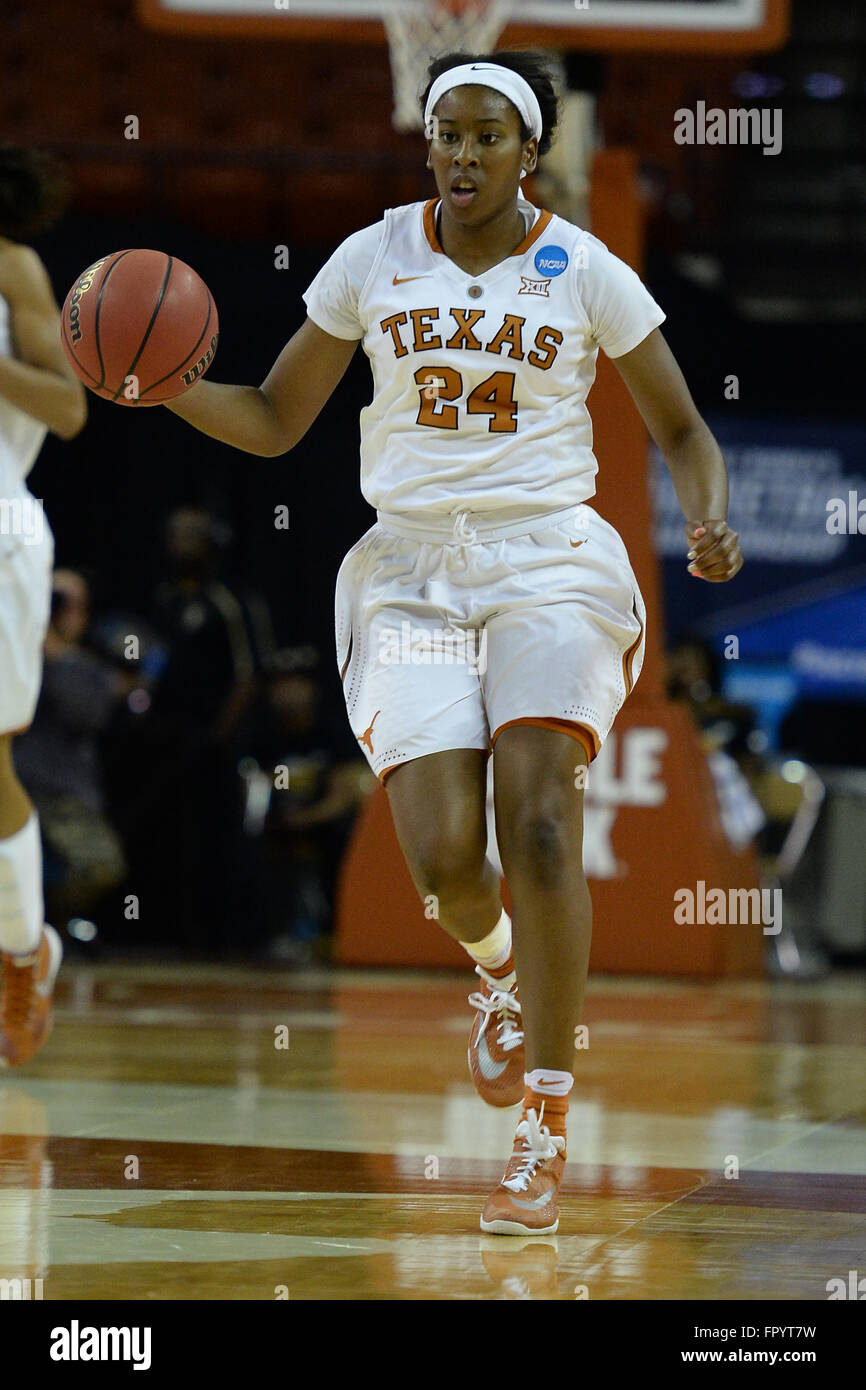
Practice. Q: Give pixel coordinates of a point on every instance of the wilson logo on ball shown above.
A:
(81, 288)
(202, 364)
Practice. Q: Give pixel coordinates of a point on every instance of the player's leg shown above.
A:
(560, 664)
(31, 951)
(539, 830)
(423, 730)
(16, 808)
(20, 862)
(439, 807)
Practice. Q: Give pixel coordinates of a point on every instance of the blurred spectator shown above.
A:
(693, 677)
(218, 639)
(58, 760)
(305, 784)
(728, 736)
(183, 814)
(759, 800)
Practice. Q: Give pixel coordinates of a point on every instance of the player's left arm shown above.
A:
(38, 379)
(695, 461)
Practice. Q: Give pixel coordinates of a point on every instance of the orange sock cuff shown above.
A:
(501, 970)
(554, 1112)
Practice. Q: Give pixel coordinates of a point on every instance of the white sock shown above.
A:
(494, 949)
(546, 1082)
(22, 911)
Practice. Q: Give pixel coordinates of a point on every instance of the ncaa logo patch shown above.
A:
(551, 260)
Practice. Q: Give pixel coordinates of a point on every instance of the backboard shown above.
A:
(698, 26)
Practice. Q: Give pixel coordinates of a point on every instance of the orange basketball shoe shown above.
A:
(524, 1203)
(497, 1057)
(26, 1015)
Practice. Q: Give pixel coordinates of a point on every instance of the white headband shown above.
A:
(503, 80)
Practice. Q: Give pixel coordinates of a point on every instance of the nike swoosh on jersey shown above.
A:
(490, 1070)
(577, 543)
(404, 279)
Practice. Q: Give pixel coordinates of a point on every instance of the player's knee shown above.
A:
(449, 867)
(539, 844)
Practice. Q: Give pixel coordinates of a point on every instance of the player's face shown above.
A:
(475, 137)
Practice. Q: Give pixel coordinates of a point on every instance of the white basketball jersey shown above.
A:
(480, 381)
(21, 437)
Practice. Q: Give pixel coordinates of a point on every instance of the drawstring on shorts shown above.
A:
(463, 533)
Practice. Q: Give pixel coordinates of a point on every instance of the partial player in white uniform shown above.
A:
(37, 393)
(489, 609)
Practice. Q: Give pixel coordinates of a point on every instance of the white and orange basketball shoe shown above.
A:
(26, 1013)
(524, 1203)
(497, 1057)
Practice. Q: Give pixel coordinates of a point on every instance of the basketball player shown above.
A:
(482, 316)
(38, 392)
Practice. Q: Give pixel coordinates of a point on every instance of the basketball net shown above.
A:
(419, 30)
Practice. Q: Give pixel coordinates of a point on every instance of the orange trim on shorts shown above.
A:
(385, 770)
(628, 657)
(344, 668)
(582, 732)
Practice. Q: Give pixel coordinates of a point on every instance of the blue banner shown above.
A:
(793, 622)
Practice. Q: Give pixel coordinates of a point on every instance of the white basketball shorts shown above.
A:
(25, 606)
(446, 638)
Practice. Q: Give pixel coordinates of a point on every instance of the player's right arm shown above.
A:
(272, 418)
(37, 378)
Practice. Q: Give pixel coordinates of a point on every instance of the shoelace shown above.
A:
(538, 1144)
(503, 1003)
(17, 994)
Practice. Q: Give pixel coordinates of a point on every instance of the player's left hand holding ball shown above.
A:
(139, 327)
(714, 551)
